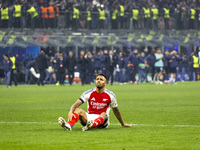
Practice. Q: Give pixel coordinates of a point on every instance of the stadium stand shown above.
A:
(96, 25)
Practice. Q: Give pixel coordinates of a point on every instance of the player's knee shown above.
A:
(82, 116)
(79, 111)
(104, 115)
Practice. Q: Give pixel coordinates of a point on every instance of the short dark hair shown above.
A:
(6, 55)
(101, 74)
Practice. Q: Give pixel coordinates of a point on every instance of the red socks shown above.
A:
(74, 120)
(97, 122)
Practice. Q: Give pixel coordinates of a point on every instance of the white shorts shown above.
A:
(95, 116)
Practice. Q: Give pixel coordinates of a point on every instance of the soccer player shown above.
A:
(99, 102)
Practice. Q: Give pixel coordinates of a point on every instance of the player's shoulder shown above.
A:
(89, 91)
(110, 93)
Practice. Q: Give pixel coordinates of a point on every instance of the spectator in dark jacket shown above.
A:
(41, 65)
(61, 69)
(151, 59)
(71, 66)
(97, 62)
(185, 66)
(133, 65)
(173, 64)
(166, 64)
(122, 67)
(91, 67)
(55, 67)
(104, 61)
(7, 67)
(83, 66)
(142, 68)
(111, 62)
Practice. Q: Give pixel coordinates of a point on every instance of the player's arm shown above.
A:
(119, 117)
(73, 108)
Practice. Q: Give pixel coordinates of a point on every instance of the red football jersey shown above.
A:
(99, 103)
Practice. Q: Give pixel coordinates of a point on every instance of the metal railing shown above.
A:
(67, 20)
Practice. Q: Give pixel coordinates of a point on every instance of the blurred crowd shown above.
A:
(149, 66)
(153, 65)
(101, 14)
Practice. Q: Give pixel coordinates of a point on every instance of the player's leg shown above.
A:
(102, 120)
(155, 76)
(98, 122)
(174, 76)
(160, 76)
(79, 114)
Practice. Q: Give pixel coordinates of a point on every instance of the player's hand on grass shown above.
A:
(126, 125)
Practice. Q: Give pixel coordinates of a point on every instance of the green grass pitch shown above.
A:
(163, 117)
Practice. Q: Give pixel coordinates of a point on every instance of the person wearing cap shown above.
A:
(7, 67)
(99, 101)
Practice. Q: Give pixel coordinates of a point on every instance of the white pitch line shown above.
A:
(114, 124)
(155, 125)
(2, 122)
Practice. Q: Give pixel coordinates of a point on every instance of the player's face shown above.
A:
(100, 81)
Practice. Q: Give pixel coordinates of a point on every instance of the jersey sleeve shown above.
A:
(113, 103)
(85, 96)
